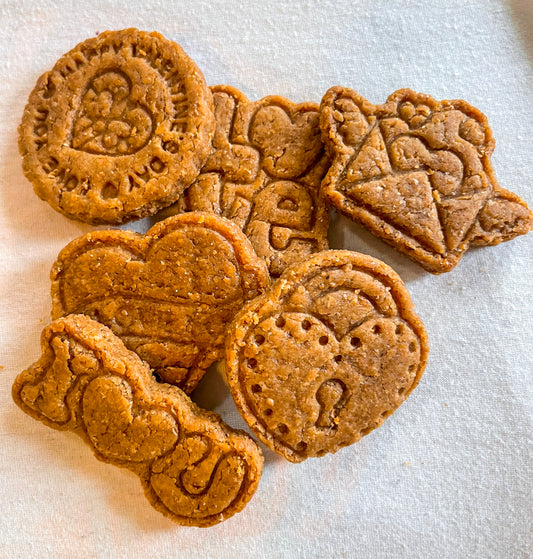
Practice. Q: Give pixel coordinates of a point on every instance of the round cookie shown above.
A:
(325, 355)
(264, 174)
(118, 128)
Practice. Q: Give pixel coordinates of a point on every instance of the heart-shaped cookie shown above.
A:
(264, 174)
(417, 173)
(194, 469)
(168, 294)
(323, 357)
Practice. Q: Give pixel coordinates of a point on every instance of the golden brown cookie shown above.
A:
(417, 173)
(264, 174)
(118, 128)
(326, 354)
(194, 469)
(169, 294)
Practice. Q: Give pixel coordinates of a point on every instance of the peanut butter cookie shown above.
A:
(118, 128)
(169, 295)
(194, 469)
(264, 174)
(326, 354)
(417, 173)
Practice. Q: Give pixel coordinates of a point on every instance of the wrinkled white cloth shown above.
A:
(448, 475)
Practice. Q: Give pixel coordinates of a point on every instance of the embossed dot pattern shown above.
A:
(342, 350)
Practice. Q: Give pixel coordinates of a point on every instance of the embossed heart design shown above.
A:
(121, 429)
(290, 144)
(417, 172)
(168, 294)
(331, 351)
(110, 121)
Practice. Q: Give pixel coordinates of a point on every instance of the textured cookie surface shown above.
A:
(325, 355)
(417, 173)
(118, 128)
(264, 174)
(193, 468)
(169, 295)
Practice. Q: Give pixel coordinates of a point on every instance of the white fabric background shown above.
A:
(449, 475)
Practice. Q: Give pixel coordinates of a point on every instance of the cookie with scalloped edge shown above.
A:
(417, 173)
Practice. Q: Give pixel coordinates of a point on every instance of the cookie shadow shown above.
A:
(347, 234)
(120, 488)
(213, 393)
(68, 455)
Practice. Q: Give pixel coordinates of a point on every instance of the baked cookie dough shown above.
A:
(118, 128)
(194, 469)
(264, 174)
(325, 355)
(169, 295)
(417, 173)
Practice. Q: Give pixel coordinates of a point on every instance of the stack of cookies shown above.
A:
(321, 346)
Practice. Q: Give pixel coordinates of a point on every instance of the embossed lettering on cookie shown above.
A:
(264, 174)
(193, 467)
(118, 128)
(324, 356)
